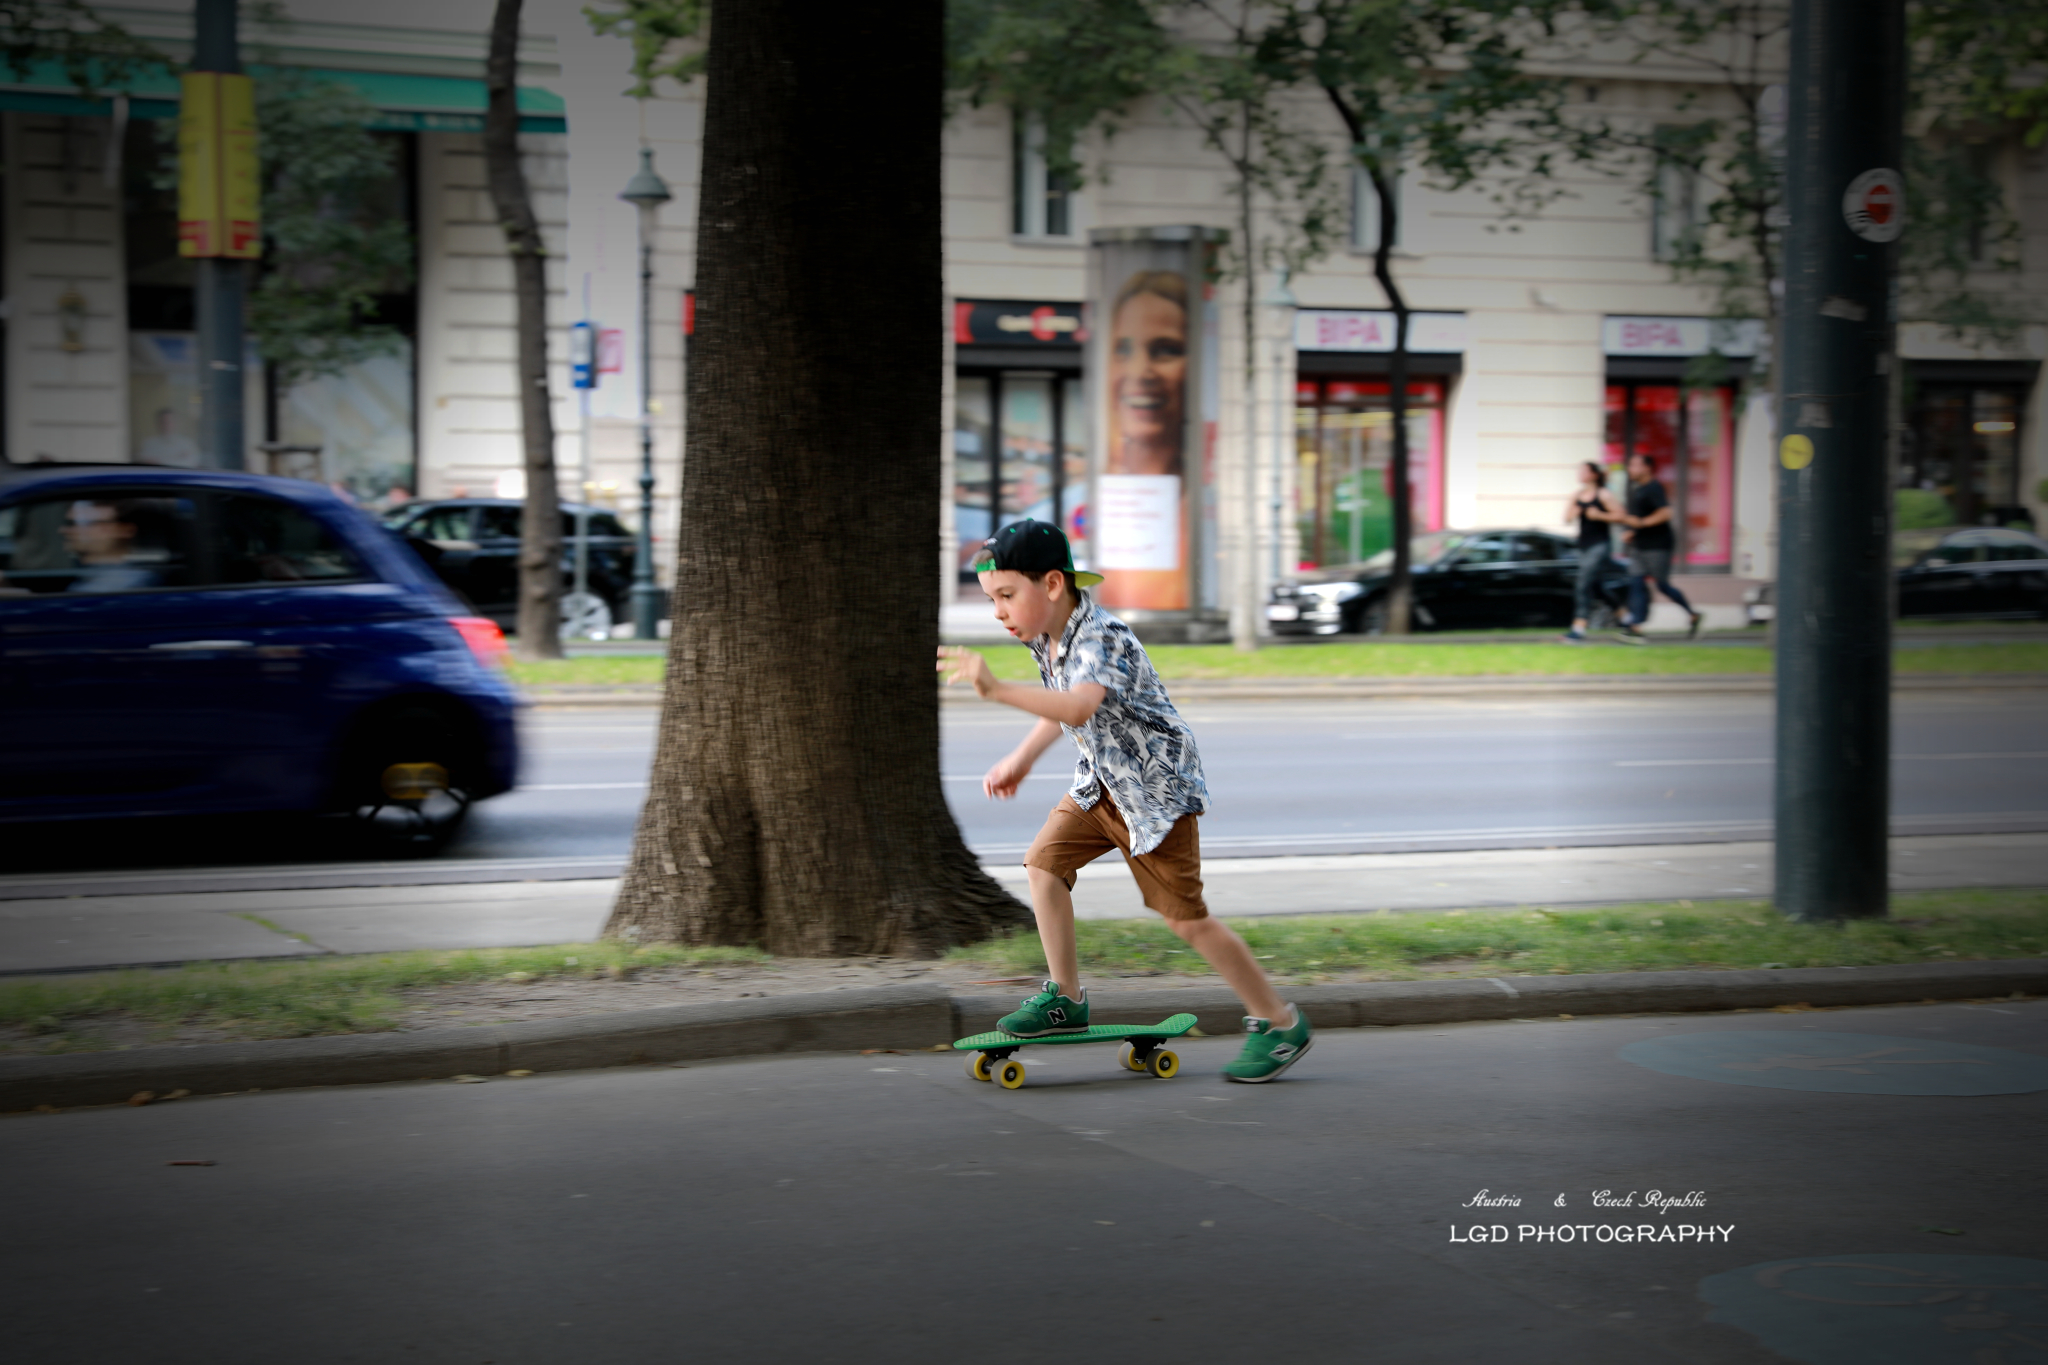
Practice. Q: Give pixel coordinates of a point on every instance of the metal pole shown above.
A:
(1845, 196)
(646, 597)
(220, 284)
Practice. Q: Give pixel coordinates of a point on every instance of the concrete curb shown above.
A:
(828, 1021)
(1324, 689)
(909, 1017)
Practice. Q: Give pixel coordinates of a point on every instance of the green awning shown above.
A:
(438, 104)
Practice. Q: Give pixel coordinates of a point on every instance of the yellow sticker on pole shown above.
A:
(1795, 452)
(219, 186)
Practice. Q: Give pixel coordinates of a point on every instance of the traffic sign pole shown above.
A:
(1846, 204)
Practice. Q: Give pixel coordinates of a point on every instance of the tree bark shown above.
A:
(540, 542)
(1401, 581)
(795, 801)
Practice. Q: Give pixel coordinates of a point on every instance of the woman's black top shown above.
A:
(1591, 532)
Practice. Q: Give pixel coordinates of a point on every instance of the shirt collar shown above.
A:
(1082, 610)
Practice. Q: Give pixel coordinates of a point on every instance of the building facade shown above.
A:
(1536, 345)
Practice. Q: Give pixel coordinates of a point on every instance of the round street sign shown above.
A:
(1874, 206)
(1795, 452)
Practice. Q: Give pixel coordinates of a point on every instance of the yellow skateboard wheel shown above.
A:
(1009, 1073)
(1128, 1057)
(977, 1066)
(1163, 1064)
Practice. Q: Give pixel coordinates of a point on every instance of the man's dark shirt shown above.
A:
(1643, 499)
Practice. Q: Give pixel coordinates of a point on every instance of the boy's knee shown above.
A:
(1188, 929)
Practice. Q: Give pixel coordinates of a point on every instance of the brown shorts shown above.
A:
(1169, 877)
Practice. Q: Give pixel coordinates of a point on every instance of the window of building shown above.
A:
(1344, 447)
(1694, 457)
(1962, 443)
(1677, 207)
(1365, 211)
(1042, 198)
(1018, 451)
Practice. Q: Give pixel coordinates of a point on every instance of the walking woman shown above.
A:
(1595, 510)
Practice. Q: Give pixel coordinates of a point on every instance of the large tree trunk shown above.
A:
(540, 544)
(795, 800)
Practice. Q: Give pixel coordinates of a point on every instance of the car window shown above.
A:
(498, 523)
(442, 523)
(1942, 556)
(601, 524)
(1533, 547)
(268, 540)
(127, 540)
(2018, 549)
(1486, 550)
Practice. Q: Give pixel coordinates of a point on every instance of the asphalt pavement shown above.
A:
(1856, 1187)
(1286, 778)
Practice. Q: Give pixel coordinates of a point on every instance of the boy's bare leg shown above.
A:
(1053, 904)
(1232, 958)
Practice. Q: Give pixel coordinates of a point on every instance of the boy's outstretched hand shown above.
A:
(960, 664)
(1002, 781)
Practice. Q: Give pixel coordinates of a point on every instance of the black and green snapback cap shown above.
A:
(1032, 547)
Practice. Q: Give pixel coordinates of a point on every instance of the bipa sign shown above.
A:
(1638, 336)
(1333, 329)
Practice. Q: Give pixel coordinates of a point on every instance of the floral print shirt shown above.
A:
(1135, 745)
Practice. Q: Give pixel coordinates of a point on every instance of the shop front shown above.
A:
(1686, 428)
(1020, 428)
(1959, 459)
(1344, 429)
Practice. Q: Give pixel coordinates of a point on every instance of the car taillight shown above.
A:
(482, 636)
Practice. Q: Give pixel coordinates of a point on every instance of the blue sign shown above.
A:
(583, 355)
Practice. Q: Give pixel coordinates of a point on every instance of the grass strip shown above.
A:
(1932, 926)
(305, 997)
(1377, 659)
(299, 998)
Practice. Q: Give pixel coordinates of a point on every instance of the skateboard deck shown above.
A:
(989, 1056)
(1171, 1027)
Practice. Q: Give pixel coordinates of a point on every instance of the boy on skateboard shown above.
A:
(1137, 788)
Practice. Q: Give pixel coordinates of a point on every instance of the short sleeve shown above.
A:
(1094, 660)
(1657, 499)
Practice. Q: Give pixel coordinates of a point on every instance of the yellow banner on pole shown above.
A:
(219, 189)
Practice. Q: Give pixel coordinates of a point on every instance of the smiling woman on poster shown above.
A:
(1141, 517)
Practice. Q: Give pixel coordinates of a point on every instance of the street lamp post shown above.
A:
(646, 192)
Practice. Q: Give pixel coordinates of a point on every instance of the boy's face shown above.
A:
(1026, 609)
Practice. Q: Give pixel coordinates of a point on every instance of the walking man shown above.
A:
(1648, 520)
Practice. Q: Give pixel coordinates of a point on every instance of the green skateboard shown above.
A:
(990, 1060)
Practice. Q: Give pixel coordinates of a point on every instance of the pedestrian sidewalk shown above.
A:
(83, 933)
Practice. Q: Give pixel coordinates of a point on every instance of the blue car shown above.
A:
(187, 642)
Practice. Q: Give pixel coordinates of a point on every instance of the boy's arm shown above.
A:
(1067, 708)
(1012, 768)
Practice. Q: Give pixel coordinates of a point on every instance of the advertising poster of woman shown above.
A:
(1141, 514)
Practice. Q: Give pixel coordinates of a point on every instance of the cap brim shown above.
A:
(1084, 579)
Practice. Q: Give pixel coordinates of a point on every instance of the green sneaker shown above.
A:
(1047, 1012)
(1268, 1051)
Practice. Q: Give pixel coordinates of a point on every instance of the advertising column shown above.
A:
(1151, 356)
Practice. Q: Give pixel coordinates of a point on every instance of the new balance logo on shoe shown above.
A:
(1057, 1015)
(1282, 1051)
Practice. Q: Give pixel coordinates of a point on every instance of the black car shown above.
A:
(1463, 580)
(473, 544)
(1965, 571)
(1979, 571)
